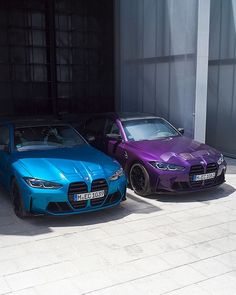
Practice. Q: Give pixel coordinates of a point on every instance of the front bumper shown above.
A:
(57, 202)
(170, 182)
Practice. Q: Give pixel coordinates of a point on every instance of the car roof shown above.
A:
(135, 116)
(126, 116)
(30, 122)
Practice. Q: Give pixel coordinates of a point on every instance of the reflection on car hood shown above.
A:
(77, 163)
(176, 150)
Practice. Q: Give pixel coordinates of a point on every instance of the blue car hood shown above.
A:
(66, 163)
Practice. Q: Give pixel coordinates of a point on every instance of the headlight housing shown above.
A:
(166, 166)
(221, 160)
(43, 184)
(117, 174)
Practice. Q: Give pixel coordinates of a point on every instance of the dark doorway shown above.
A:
(56, 56)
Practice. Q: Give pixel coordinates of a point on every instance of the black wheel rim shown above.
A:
(138, 180)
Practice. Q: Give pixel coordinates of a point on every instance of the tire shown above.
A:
(17, 201)
(139, 180)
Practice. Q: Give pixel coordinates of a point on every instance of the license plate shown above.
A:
(89, 196)
(202, 177)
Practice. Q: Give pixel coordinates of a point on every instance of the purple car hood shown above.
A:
(176, 150)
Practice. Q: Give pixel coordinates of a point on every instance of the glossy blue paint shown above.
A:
(61, 165)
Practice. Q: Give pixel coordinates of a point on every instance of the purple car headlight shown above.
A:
(166, 166)
(43, 184)
(221, 160)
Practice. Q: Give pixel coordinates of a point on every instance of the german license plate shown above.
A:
(89, 196)
(202, 177)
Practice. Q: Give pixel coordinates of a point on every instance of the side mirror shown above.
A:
(113, 136)
(90, 138)
(181, 130)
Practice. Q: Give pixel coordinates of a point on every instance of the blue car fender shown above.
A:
(17, 173)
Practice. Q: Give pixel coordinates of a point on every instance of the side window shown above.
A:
(95, 126)
(111, 127)
(4, 135)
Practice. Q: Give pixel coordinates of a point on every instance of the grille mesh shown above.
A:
(77, 188)
(81, 187)
(200, 169)
(98, 185)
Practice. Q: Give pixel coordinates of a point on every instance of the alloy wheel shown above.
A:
(139, 179)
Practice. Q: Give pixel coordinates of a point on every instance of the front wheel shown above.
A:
(139, 180)
(17, 201)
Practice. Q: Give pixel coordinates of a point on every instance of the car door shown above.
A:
(115, 148)
(4, 154)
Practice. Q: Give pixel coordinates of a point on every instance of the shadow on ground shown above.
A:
(33, 226)
(37, 225)
(210, 194)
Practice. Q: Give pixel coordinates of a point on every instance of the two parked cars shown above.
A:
(49, 168)
(155, 156)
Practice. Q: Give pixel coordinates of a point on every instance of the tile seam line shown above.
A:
(133, 280)
(130, 261)
(34, 268)
(181, 233)
(196, 283)
(138, 278)
(125, 282)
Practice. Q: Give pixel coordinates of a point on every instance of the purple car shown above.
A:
(156, 157)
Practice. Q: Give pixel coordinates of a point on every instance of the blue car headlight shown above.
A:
(117, 174)
(221, 160)
(43, 184)
(166, 166)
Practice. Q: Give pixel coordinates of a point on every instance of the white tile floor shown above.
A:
(172, 245)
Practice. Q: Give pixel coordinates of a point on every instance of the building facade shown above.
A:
(176, 58)
(173, 58)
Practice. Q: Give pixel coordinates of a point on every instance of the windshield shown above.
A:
(46, 137)
(148, 129)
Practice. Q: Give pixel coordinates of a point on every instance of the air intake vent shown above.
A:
(196, 170)
(77, 188)
(99, 185)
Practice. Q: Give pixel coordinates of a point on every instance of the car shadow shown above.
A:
(41, 225)
(130, 206)
(44, 226)
(210, 194)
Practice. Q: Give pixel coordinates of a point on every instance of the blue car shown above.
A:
(48, 168)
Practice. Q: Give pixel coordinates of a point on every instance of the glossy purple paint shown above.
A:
(178, 150)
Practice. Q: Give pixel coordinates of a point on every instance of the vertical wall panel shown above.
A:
(221, 112)
(149, 28)
(177, 18)
(162, 89)
(149, 88)
(164, 62)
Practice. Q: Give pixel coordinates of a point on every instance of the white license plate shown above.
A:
(204, 176)
(89, 196)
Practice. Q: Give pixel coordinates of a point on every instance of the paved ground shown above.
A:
(172, 245)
